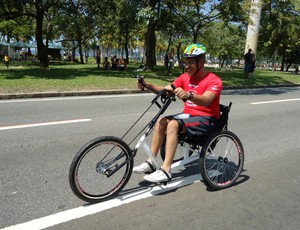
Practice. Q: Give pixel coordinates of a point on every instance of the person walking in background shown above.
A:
(98, 57)
(6, 60)
(166, 63)
(171, 60)
(114, 63)
(249, 64)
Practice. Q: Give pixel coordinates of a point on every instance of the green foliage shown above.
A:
(154, 24)
(228, 44)
(280, 26)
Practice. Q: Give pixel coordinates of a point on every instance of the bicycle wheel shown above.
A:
(100, 169)
(222, 159)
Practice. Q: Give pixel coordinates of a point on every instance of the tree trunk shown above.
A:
(288, 66)
(282, 60)
(151, 38)
(126, 48)
(150, 46)
(41, 47)
(195, 36)
(275, 58)
(79, 44)
(178, 47)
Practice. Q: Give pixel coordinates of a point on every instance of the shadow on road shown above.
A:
(185, 178)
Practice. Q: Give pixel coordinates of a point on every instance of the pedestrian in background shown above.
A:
(171, 60)
(166, 63)
(249, 63)
(98, 57)
(6, 60)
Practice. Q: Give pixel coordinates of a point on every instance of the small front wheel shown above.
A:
(222, 159)
(100, 169)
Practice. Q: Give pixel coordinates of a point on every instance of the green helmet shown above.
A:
(194, 51)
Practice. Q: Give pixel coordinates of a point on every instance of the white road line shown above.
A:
(276, 101)
(43, 124)
(73, 98)
(82, 211)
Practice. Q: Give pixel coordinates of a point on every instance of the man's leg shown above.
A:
(159, 135)
(171, 144)
(157, 141)
(164, 174)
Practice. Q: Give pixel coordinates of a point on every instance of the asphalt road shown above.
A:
(39, 137)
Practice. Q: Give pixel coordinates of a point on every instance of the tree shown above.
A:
(224, 41)
(74, 22)
(80, 22)
(150, 13)
(195, 15)
(28, 9)
(126, 21)
(12, 30)
(280, 26)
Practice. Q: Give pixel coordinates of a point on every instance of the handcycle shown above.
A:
(103, 166)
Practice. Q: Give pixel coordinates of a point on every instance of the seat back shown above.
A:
(224, 113)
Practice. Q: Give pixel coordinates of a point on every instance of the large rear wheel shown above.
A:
(222, 159)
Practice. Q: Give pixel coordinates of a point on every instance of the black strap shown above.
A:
(167, 174)
(151, 166)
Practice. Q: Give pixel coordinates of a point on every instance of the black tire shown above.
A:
(87, 175)
(222, 160)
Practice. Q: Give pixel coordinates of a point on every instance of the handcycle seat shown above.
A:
(223, 122)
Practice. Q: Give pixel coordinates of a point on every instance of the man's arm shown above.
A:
(152, 87)
(203, 100)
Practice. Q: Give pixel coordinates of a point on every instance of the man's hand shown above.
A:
(141, 83)
(181, 93)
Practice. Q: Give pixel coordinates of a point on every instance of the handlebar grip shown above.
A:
(173, 86)
(140, 80)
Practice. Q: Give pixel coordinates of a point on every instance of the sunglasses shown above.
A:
(190, 63)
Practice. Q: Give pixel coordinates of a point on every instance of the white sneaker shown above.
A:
(145, 167)
(159, 176)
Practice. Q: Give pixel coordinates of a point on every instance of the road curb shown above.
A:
(110, 92)
(67, 94)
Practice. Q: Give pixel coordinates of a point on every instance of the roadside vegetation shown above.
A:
(149, 29)
(24, 77)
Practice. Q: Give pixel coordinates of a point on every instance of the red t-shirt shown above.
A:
(210, 82)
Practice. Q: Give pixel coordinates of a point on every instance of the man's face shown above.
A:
(191, 66)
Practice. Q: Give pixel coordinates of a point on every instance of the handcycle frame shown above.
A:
(167, 97)
(191, 149)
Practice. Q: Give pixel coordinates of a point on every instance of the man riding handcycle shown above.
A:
(103, 166)
(201, 90)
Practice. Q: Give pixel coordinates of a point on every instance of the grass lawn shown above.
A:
(24, 77)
